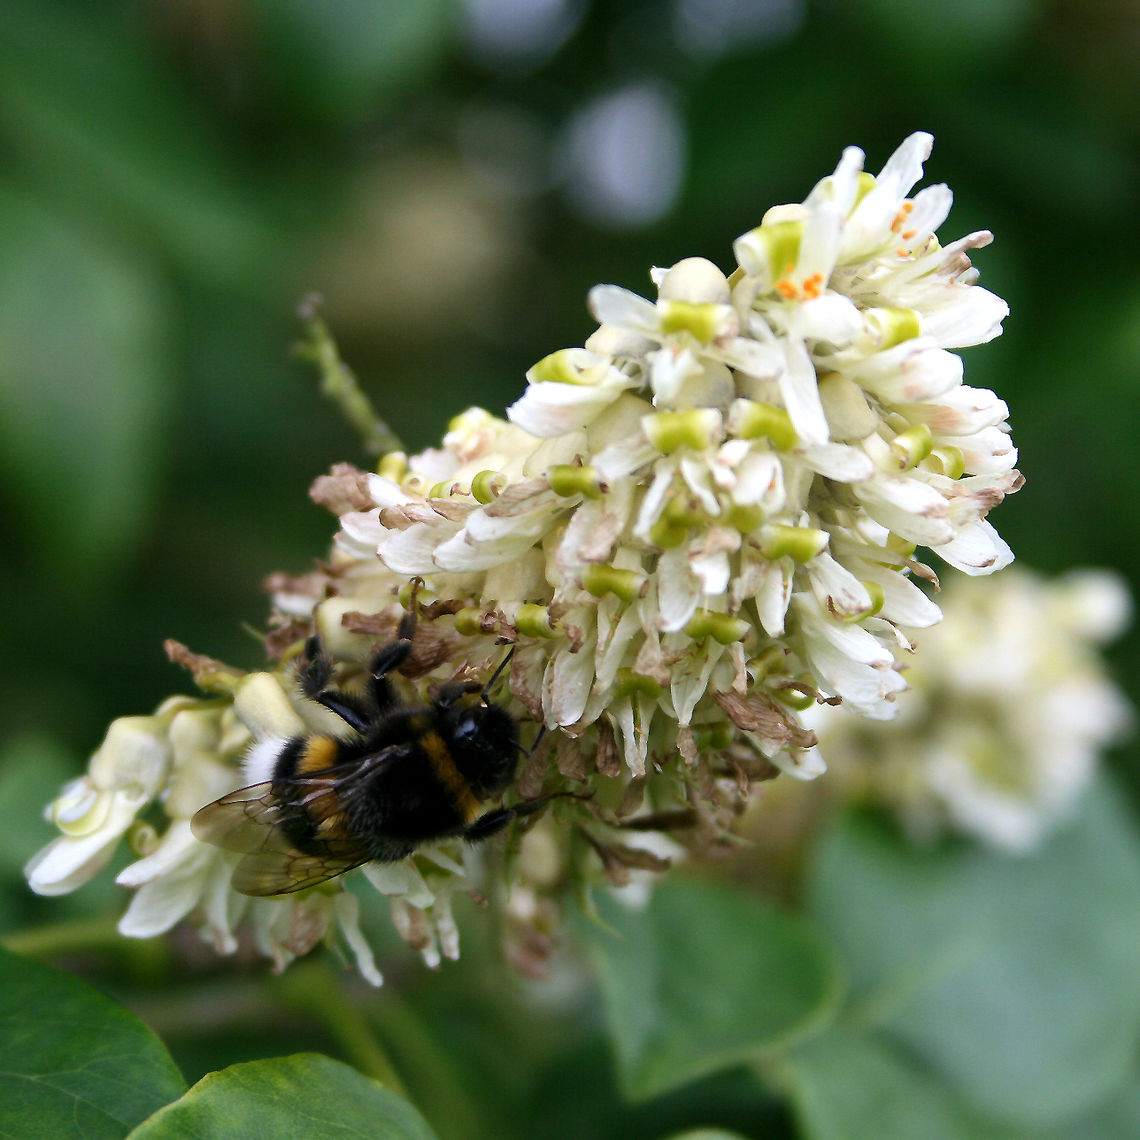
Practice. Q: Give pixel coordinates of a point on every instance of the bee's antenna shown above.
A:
(497, 673)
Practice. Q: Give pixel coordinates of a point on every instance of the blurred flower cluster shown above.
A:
(1009, 709)
(689, 530)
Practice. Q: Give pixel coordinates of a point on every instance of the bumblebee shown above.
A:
(404, 777)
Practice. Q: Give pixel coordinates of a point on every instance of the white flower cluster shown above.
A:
(1009, 709)
(185, 756)
(707, 516)
(690, 530)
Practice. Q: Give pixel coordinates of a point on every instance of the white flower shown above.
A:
(1009, 711)
(95, 811)
(688, 531)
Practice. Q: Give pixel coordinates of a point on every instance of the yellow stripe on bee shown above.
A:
(321, 752)
(450, 777)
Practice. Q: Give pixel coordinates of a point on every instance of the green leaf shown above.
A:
(83, 89)
(303, 1097)
(1014, 978)
(84, 385)
(348, 59)
(846, 1087)
(703, 978)
(1119, 1119)
(707, 1134)
(72, 1062)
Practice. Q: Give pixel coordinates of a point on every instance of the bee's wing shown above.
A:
(249, 821)
(246, 821)
(283, 872)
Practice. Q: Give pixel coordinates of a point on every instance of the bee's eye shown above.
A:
(467, 725)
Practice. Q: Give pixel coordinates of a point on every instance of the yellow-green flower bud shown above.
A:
(766, 663)
(698, 428)
(745, 518)
(488, 485)
(795, 697)
(780, 244)
(722, 628)
(563, 367)
(947, 461)
(801, 543)
(627, 683)
(568, 479)
(714, 737)
(393, 466)
(415, 483)
(666, 534)
(888, 327)
(912, 446)
(704, 322)
(749, 420)
(534, 621)
(628, 585)
(469, 621)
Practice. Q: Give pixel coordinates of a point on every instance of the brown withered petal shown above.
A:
(343, 489)
(753, 712)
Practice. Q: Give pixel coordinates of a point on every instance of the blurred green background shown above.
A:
(452, 178)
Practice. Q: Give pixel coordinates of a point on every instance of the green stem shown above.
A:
(64, 937)
(313, 987)
(339, 383)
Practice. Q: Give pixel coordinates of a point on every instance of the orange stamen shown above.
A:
(901, 216)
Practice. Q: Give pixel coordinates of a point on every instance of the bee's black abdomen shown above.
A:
(297, 825)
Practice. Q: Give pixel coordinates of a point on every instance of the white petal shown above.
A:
(552, 408)
(904, 602)
(347, 911)
(763, 361)
(911, 371)
(412, 551)
(836, 588)
(800, 392)
(841, 186)
(962, 411)
(977, 549)
(868, 227)
(931, 205)
(613, 305)
(838, 461)
(690, 680)
(566, 685)
(802, 764)
(819, 246)
(402, 879)
(773, 595)
(829, 319)
(912, 509)
(957, 316)
(386, 492)
(678, 589)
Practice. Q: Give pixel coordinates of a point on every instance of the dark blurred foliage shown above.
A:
(177, 175)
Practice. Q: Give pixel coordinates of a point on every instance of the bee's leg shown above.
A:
(391, 656)
(494, 821)
(314, 676)
(446, 695)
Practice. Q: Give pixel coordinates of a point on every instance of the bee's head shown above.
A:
(484, 741)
